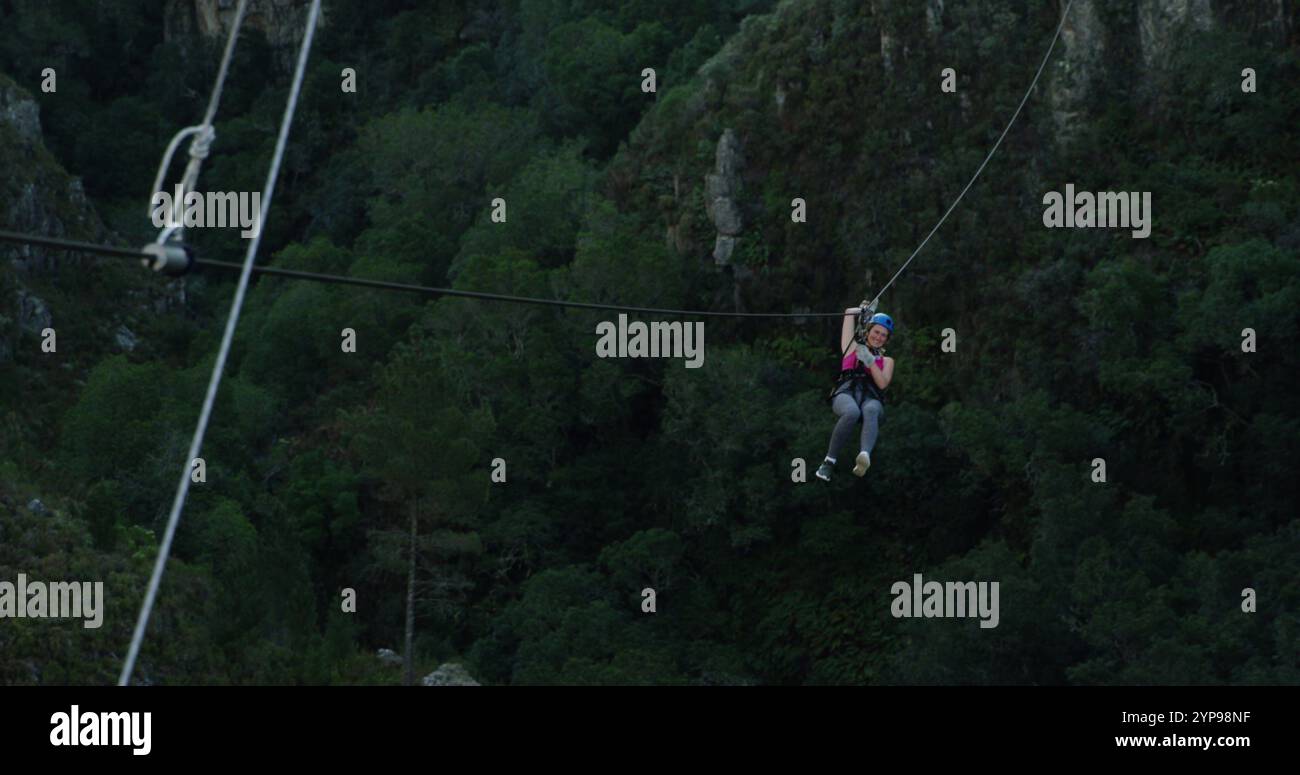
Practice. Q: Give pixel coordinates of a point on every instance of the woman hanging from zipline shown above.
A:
(859, 393)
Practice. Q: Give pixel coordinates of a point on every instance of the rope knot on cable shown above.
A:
(201, 145)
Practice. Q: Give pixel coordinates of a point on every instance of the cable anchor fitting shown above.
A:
(173, 259)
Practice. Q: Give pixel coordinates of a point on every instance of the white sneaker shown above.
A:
(862, 464)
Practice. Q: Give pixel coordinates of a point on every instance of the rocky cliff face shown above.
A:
(36, 194)
(281, 21)
(1077, 65)
(1094, 35)
(1160, 22)
(18, 111)
(757, 94)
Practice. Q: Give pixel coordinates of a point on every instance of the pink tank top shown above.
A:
(851, 361)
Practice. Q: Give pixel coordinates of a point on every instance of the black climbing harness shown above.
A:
(858, 383)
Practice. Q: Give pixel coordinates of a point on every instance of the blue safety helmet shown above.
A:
(881, 319)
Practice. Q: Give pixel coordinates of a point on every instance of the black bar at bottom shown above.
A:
(216, 725)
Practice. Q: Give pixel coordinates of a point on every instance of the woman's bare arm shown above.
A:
(882, 375)
(846, 333)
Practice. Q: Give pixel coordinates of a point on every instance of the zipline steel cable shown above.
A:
(870, 307)
(196, 444)
(87, 247)
(1041, 66)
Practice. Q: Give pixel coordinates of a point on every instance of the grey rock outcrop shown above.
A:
(36, 195)
(450, 674)
(934, 16)
(1161, 22)
(722, 190)
(1078, 65)
(893, 41)
(1089, 40)
(19, 111)
(125, 339)
(33, 314)
(281, 21)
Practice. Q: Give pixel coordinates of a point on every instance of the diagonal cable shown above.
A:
(215, 382)
(1064, 15)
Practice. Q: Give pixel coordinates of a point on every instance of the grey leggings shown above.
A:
(849, 413)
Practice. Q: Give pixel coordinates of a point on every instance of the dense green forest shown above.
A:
(1072, 344)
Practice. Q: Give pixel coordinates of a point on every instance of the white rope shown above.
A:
(974, 177)
(203, 133)
(196, 444)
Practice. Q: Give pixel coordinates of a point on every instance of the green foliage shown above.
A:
(330, 470)
(546, 205)
(429, 185)
(649, 556)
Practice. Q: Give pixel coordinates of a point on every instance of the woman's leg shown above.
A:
(872, 411)
(847, 410)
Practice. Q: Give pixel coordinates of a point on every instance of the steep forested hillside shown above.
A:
(621, 475)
